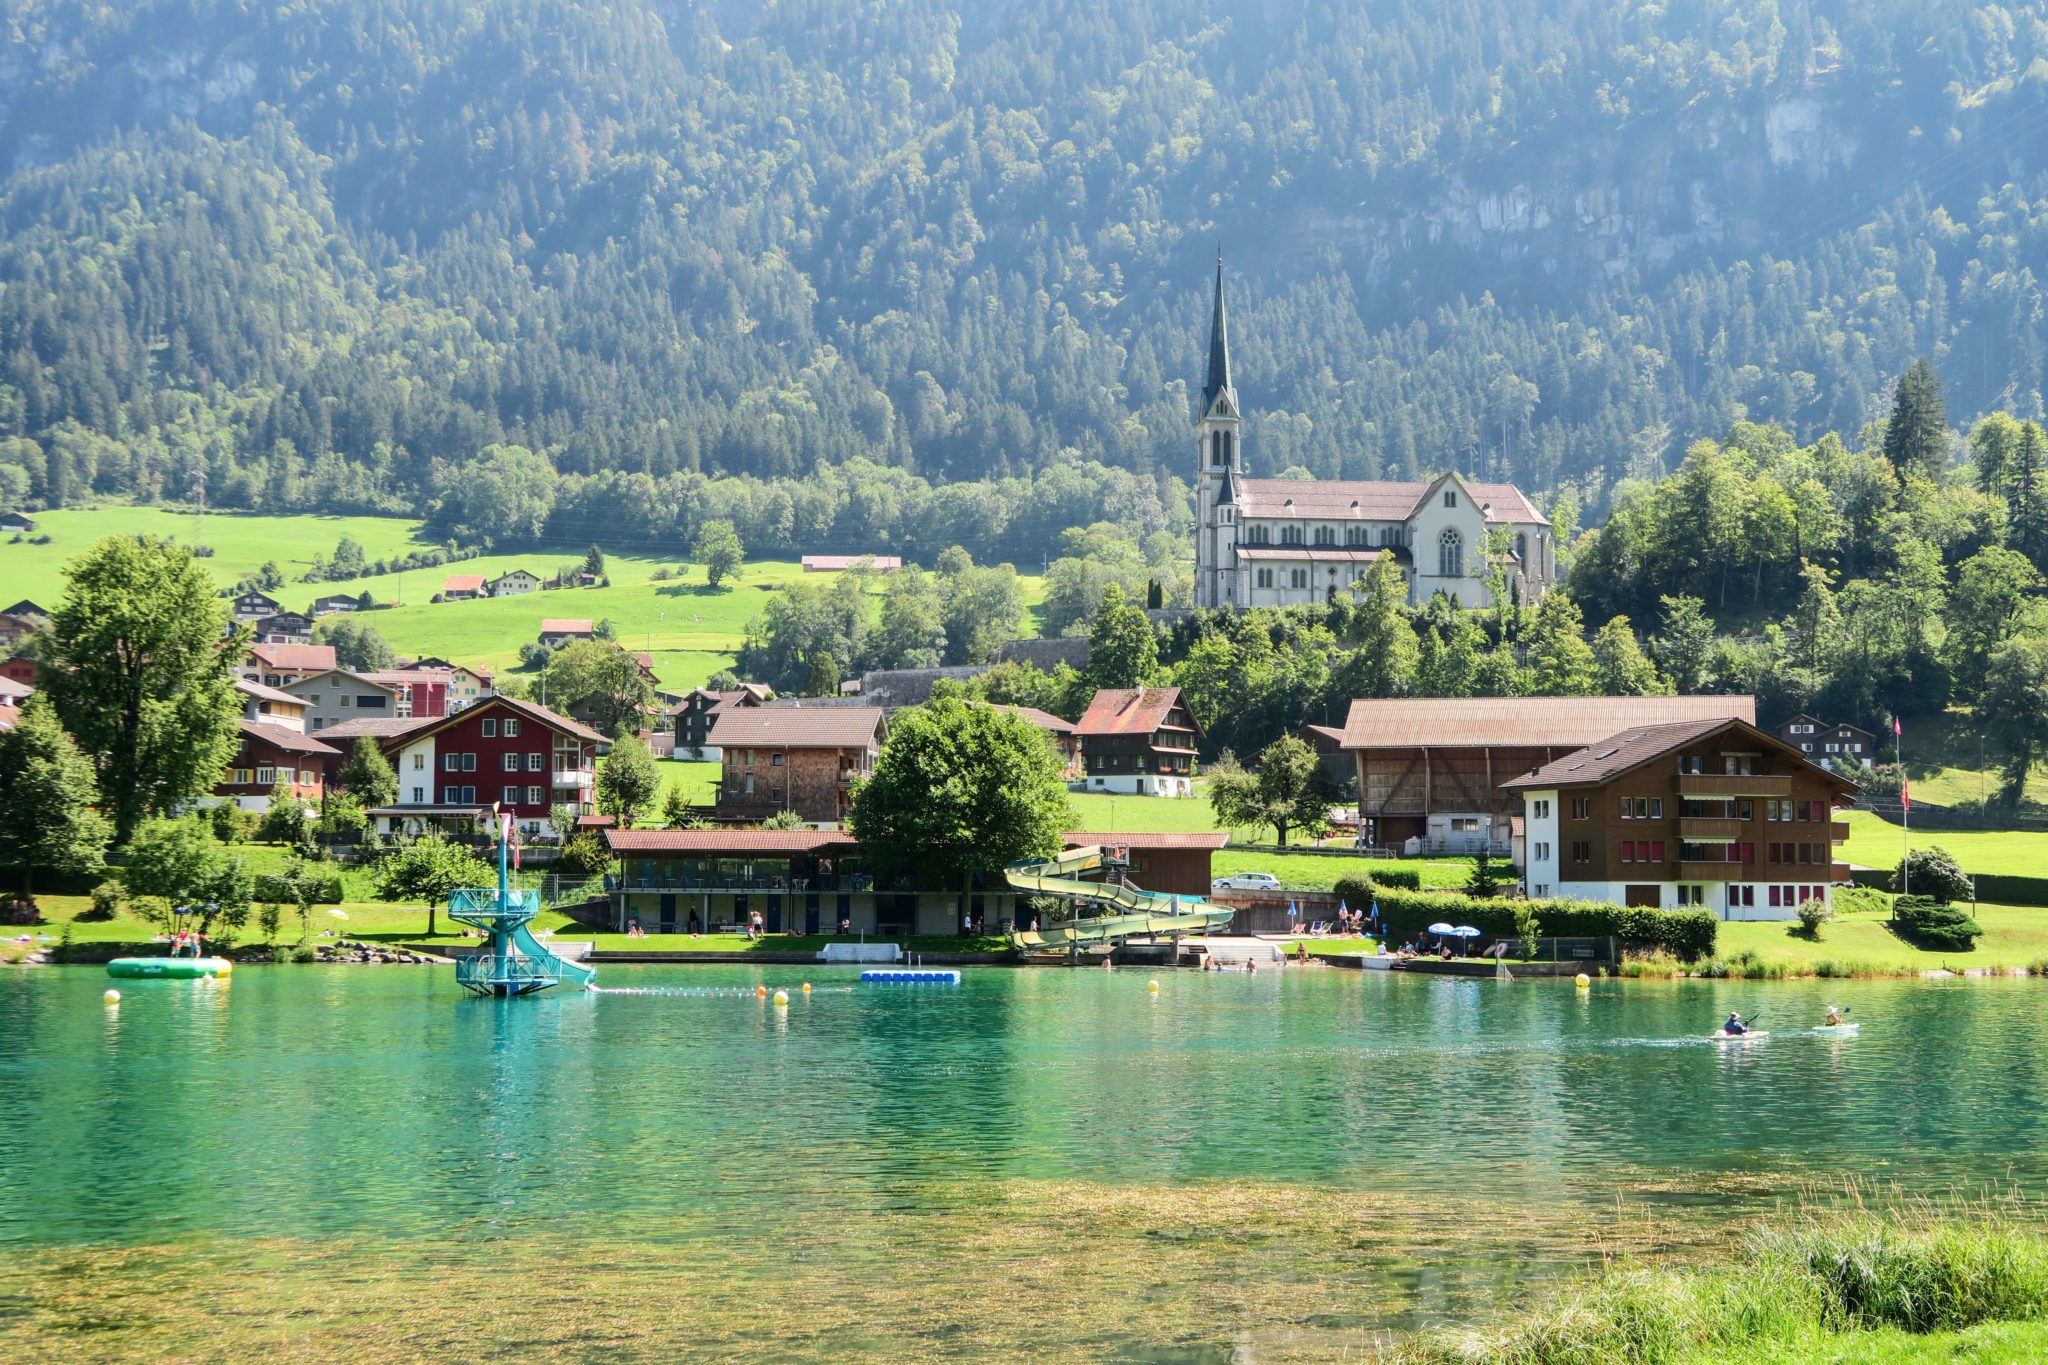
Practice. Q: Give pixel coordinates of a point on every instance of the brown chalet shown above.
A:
(1712, 814)
(1431, 768)
(1139, 740)
(696, 711)
(799, 758)
(275, 752)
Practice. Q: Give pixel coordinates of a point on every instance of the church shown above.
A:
(1289, 542)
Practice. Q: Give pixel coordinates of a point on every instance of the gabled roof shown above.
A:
(533, 711)
(1129, 711)
(256, 690)
(768, 841)
(1610, 757)
(317, 679)
(376, 727)
(405, 677)
(463, 582)
(12, 693)
(25, 609)
(509, 572)
(282, 737)
(1044, 720)
(1522, 722)
(1373, 499)
(255, 595)
(313, 658)
(796, 727)
(1150, 839)
(565, 625)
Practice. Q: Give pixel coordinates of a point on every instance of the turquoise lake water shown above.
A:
(382, 1106)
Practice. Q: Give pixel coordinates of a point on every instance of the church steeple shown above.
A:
(1218, 382)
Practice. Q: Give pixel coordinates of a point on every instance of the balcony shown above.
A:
(1838, 830)
(1712, 785)
(1699, 870)
(1702, 829)
(575, 777)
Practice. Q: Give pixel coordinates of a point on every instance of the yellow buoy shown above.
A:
(1584, 981)
(1152, 986)
(112, 997)
(807, 988)
(782, 997)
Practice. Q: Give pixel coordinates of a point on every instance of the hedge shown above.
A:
(1685, 934)
(1401, 879)
(323, 885)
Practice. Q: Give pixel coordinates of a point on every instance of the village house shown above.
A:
(12, 695)
(1710, 813)
(334, 603)
(19, 670)
(1831, 746)
(284, 628)
(812, 881)
(338, 694)
(518, 756)
(700, 706)
(282, 665)
(1139, 740)
(15, 521)
(254, 606)
(558, 631)
(1431, 769)
(514, 583)
(28, 611)
(799, 758)
(274, 751)
(462, 587)
(466, 685)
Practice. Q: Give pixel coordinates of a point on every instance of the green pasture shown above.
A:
(1875, 842)
(1861, 945)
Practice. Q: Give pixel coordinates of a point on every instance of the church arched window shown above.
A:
(1229, 446)
(1326, 535)
(1216, 448)
(1522, 547)
(1450, 554)
(1290, 535)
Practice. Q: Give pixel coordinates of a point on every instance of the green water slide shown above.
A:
(1124, 910)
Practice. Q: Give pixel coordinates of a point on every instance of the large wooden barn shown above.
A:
(1431, 768)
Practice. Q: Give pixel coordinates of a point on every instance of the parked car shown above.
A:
(1247, 881)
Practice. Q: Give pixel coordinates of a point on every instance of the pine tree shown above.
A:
(1623, 668)
(1561, 663)
(1917, 436)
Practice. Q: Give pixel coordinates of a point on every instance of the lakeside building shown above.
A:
(801, 758)
(516, 755)
(283, 665)
(1712, 813)
(1432, 768)
(274, 750)
(339, 694)
(1139, 740)
(1294, 542)
(809, 881)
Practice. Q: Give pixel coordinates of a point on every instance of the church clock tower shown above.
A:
(1218, 468)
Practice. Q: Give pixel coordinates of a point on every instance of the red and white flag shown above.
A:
(1905, 787)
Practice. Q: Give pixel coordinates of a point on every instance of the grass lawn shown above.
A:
(1874, 842)
(1860, 944)
(1319, 872)
(372, 920)
(699, 782)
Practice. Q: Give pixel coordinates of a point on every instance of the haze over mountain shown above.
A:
(321, 255)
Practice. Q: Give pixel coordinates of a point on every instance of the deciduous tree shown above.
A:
(48, 800)
(626, 781)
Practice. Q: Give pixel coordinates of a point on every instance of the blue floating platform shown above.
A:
(911, 977)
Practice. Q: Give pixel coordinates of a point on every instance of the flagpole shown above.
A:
(1905, 812)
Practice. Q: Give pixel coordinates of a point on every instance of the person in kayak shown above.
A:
(1834, 1019)
(1734, 1028)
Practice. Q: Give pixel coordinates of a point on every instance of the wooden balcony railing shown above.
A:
(1734, 784)
(1709, 830)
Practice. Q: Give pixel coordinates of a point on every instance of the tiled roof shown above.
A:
(1494, 722)
(13, 691)
(291, 741)
(1610, 757)
(1127, 710)
(796, 727)
(464, 582)
(766, 841)
(406, 677)
(1355, 554)
(1044, 720)
(298, 658)
(565, 625)
(1153, 839)
(837, 563)
(376, 727)
(1370, 500)
(1328, 734)
(247, 689)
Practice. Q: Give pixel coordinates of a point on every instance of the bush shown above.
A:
(1687, 934)
(1935, 875)
(305, 952)
(586, 854)
(323, 886)
(1861, 900)
(1813, 914)
(1931, 924)
(107, 900)
(1400, 879)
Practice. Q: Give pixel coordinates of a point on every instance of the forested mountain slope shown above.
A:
(307, 254)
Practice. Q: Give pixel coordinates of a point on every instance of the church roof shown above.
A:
(1218, 380)
(1371, 500)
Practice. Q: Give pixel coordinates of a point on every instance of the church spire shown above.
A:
(1218, 381)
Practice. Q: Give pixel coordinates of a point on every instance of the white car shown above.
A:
(1246, 881)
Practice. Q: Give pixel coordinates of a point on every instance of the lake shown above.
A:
(364, 1164)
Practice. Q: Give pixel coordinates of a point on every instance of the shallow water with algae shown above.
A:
(364, 1165)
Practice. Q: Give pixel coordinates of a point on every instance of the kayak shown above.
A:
(1724, 1036)
(1837, 1030)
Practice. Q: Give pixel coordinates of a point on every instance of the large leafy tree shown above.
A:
(627, 781)
(2015, 703)
(1561, 663)
(48, 800)
(142, 677)
(357, 644)
(1622, 667)
(1384, 655)
(719, 550)
(181, 861)
(961, 789)
(912, 631)
(601, 681)
(1290, 791)
(431, 870)
(1123, 647)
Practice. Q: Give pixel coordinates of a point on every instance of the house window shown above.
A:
(1290, 535)
(490, 729)
(1301, 578)
(1543, 852)
(1265, 578)
(1450, 554)
(533, 796)
(1522, 546)
(775, 760)
(419, 796)
(1582, 851)
(1540, 810)
(451, 763)
(1540, 890)
(748, 788)
(1692, 895)
(509, 762)
(1326, 535)
(1582, 808)
(1450, 498)
(344, 701)
(511, 727)
(536, 763)
(509, 795)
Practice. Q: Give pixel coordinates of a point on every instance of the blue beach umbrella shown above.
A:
(1292, 912)
(1464, 931)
